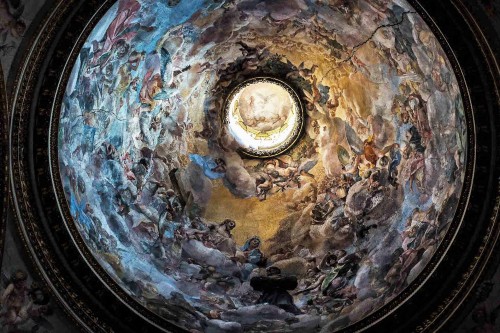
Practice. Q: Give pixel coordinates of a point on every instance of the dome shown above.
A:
(259, 165)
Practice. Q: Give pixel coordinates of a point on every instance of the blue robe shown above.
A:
(208, 164)
(253, 258)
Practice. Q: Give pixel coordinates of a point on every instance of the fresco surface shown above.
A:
(16, 17)
(314, 239)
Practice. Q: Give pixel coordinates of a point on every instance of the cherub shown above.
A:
(11, 22)
(14, 298)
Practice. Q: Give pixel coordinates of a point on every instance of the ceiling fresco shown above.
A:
(315, 237)
(15, 19)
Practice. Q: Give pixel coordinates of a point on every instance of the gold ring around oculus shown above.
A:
(264, 116)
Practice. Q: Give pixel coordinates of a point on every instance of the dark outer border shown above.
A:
(476, 293)
(84, 294)
(476, 238)
(90, 303)
(4, 162)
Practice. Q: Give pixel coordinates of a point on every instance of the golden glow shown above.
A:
(263, 116)
(251, 215)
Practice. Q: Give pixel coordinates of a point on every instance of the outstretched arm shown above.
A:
(313, 286)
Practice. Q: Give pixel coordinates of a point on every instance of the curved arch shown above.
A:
(57, 256)
(4, 141)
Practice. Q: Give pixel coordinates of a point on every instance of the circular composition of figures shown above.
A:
(203, 187)
(264, 116)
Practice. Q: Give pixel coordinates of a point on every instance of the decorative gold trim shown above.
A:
(297, 130)
(4, 162)
(42, 254)
(435, 322)
(28, 228)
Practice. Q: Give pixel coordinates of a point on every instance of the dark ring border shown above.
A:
(93, 301)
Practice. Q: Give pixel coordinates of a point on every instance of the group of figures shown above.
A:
(344, 220)
(12, 25)
(24, 308)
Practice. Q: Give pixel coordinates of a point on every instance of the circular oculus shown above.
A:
(264, 116)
